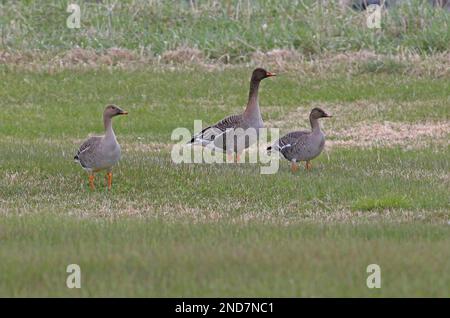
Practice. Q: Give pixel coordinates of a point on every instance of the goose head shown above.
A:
(113, 110)
(317, 113)
(260, 74)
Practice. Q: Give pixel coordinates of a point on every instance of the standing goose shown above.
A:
(303, 145)
(216, 135)
(101, 152)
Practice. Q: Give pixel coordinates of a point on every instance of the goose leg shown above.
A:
(91, 181)
(230, 157)
(308, 165)
(238, 157)
(294, 166)
(109, 175)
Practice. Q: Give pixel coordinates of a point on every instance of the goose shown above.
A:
(216, 135)
(303, 145)
(99, 153)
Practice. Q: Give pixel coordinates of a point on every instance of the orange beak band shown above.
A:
(268, 74)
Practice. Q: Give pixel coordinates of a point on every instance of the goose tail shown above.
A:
(272, 148)
(207, 136)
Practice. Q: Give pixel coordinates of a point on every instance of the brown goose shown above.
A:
(216, 135)
(303, 145)
(101, 152)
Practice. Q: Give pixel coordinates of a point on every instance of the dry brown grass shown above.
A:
(183, 55)
(437, 65)
(358, 124)
(77, 57)
(345, 114)
(88, 57)
(389, 134)
(281, 58)
(104, 208)
(347, 216)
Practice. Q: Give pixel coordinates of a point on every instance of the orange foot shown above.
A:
(91, 182)
(230, 157)
(109, 175)
(308, 165)
(294, 167)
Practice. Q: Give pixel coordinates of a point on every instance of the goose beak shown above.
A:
(123, 112)
(269, 74)
(328, 115)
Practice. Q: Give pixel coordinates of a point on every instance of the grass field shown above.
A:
(229, 30)
(378, 194)
(224, 230)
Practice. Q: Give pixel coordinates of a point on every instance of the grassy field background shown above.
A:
(230, 29)
(198, 230)
(378, 194)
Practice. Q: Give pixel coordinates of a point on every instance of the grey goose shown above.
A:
(303, 145)
(99, 153)
(234, 125)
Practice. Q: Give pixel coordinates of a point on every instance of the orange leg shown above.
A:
(308, 165)
(230, 157)
(109, 175)
(91, 182)
(294, 167)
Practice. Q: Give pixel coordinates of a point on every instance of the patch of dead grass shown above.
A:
(76, 57)
(390, 134)
(358, 124)
(89, 57)
(437, 65)
(103, 208)
(183, 55)
(346, 216)
(345, 114)
(279, 60)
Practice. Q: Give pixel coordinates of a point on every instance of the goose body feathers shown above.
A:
(303, 145)
(300, 145)
(98, 153)
(232, 134)
(101, 152)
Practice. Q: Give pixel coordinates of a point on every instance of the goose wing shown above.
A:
(290, 144)
(86, 153)
(211, 133)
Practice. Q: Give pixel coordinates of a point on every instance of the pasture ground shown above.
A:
(374, 196)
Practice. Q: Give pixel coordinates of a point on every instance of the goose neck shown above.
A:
(107, 121)
(252, 104)
(315, 126)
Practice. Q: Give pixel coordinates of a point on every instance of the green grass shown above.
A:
(219, 230)
(224, 230)
(174, 99)
(232, 28)
(154, 258)
(388, 202)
